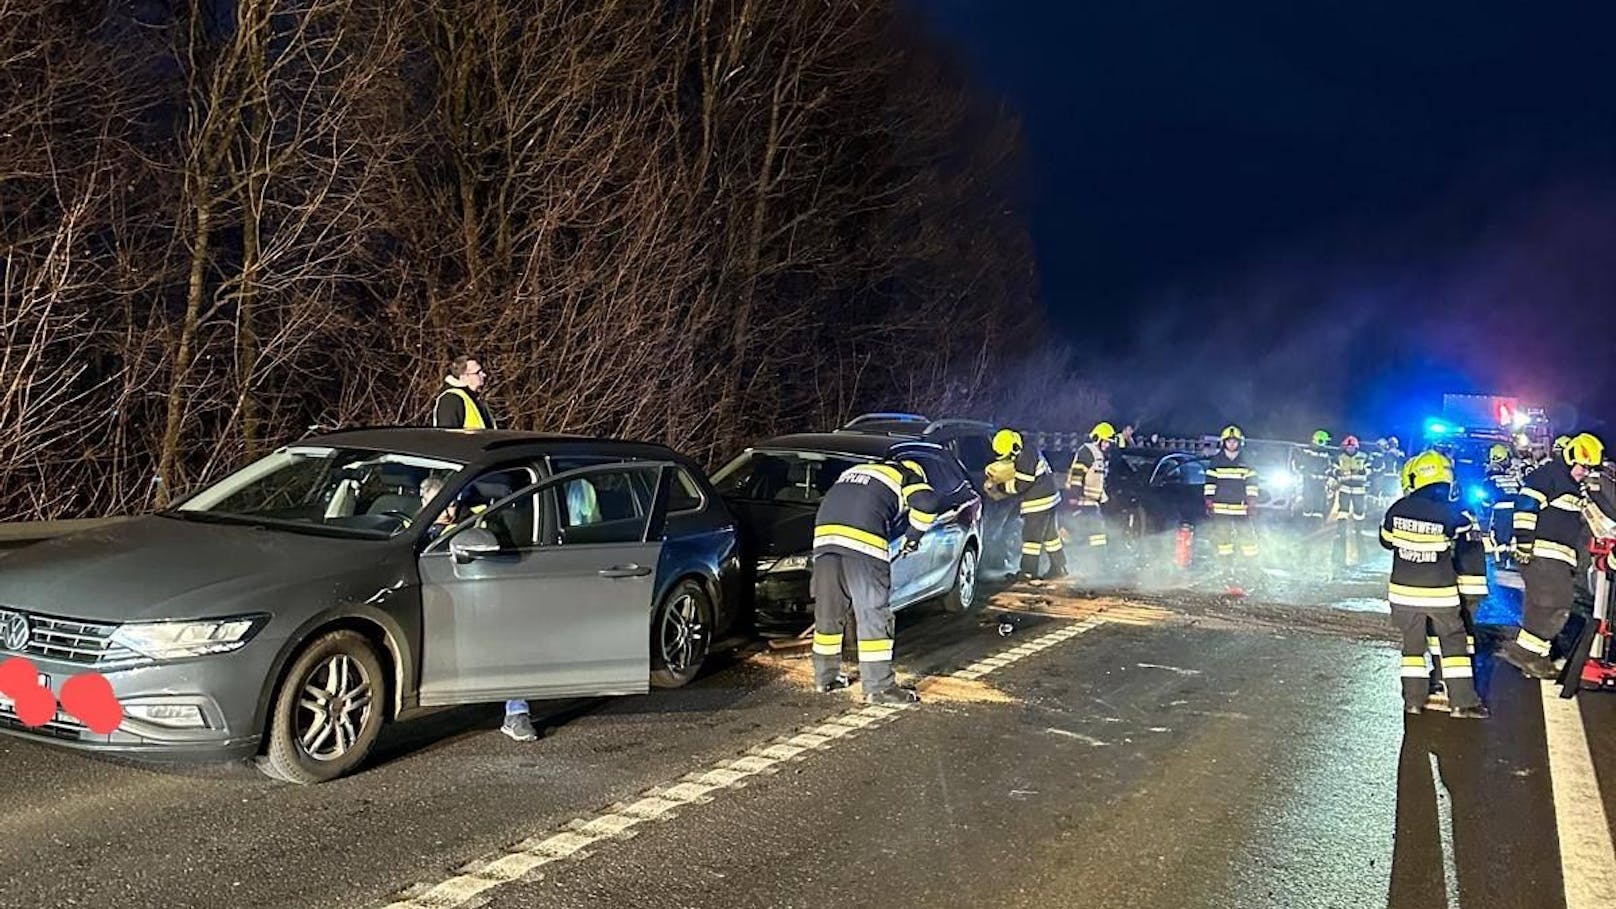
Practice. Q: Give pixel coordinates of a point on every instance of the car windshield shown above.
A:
(800, 477)
(334, 491)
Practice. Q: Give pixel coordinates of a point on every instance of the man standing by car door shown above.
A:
(457, 405)
(853, 571)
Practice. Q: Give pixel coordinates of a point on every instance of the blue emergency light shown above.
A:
(1478, 495)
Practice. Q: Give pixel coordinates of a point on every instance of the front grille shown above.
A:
(60, 726)
(75, 641)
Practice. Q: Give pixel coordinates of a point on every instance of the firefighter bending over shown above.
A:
(1231, 493)
(1024, 473)
(1423, 530)
(853, 571)
(1085, 493)
(1548, 528)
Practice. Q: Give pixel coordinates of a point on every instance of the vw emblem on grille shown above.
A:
(13, 631)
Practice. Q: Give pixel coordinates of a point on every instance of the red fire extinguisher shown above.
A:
(1185, 545)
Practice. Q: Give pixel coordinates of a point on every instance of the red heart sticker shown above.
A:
(19, 681)
(89, 697)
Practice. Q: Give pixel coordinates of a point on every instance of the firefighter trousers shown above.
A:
(1233, 533)
(1039, 535)
(860, 586)
(1550, 588)
(1433, 644)
(1447, 625)
(1089, 539)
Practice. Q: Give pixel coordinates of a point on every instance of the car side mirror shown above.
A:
(473, 543)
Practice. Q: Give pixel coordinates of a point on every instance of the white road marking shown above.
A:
(1587, 860)
(1444, 816)
(522, 860)
(1168, 668)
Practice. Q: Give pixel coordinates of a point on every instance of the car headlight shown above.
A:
(1285, 481)
(174, 640)
(802, 562)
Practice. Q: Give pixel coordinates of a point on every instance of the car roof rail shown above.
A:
(885, 417)
(957, 421)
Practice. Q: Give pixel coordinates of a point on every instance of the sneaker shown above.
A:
(1438, 698)
(893, 697)
(519, 727)
(1478, 712)
(837, 684)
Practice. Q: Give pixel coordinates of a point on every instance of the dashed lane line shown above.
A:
(1587, 860)
(620, 821)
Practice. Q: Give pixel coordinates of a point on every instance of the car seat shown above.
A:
(402, 494)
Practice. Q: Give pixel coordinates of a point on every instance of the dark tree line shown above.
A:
(691, 221)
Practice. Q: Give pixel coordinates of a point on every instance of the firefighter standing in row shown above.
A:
(1548, 529)
(1425, 530)
(1349, 474)
(1085, 494)
(1312, 464)
(1231, 492)
(1501, 487)
(1024, 473)
(852, 570)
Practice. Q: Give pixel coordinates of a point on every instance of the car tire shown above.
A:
(681, 635)
(962, 596)
(343, 670)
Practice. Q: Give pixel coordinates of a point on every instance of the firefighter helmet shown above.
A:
(1585, 450)
(1006, 442)
(1102, 432)
(1498, 454)
(1392, 441)
(1321, 438)
(1560, 442)
(1349, 442)
(1427, 468)
(1231, 432)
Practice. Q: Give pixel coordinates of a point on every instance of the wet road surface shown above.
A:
(1176, 749)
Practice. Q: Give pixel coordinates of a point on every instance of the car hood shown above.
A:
(774, 529)
(161, 568)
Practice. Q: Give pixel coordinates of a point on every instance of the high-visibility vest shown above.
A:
(474, 414)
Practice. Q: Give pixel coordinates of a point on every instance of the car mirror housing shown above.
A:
(473, 543)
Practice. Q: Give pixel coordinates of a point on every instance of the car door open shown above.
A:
(547, 593)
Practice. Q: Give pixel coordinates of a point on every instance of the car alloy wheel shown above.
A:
(681, 635)
(962, 596)
(335, 703)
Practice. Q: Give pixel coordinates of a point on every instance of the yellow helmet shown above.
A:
(1231, 432)
(914, 468)
(1425, 469)
(1585, 450)
(1006, 442)
(1560, 442)
(1103, 432)
(1498, 454)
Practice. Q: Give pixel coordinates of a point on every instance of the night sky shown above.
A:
(1291, 214)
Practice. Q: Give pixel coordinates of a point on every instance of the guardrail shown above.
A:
(13, 536)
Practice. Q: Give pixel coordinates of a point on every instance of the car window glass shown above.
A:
(683, 493)
(781, 476)
(975, 452)
(943, 474)
(603, 507)
(516, 524)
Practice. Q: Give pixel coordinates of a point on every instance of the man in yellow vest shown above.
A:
(457, 405)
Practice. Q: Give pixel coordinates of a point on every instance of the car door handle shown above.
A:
(624, 571)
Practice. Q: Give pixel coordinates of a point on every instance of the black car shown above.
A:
(774, 489)
(291, 608)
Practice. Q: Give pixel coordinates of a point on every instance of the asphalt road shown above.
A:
(1175, 750)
